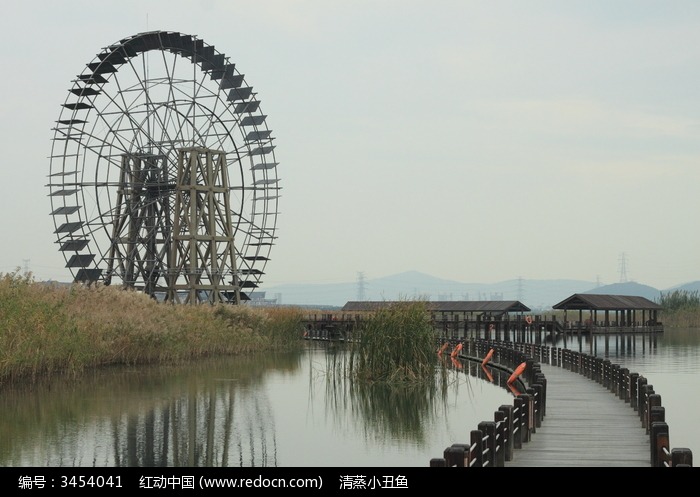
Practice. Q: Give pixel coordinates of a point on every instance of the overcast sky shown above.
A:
(477, 141)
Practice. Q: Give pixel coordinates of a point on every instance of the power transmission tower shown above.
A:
(26, 266)
(360, 286)
(623, 268)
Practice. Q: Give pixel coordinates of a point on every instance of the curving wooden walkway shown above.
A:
(585, 425)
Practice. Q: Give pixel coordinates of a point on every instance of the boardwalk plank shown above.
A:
(585, 425)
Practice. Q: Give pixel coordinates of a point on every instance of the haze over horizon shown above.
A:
(478, 141)
(538, 294)
(360, 276)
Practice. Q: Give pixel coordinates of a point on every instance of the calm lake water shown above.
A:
(292, 410)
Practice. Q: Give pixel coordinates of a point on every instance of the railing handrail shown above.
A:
(528, 409)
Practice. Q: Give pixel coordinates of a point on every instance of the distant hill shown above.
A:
(653, 294)
(630, 289)
(693, 286)
(536, 294)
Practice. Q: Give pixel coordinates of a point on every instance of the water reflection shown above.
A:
(209, 414)
(611, 345)
(670, 361)
(295, 409)
(381, 411)
(292, 409)
(404, 413)
(675, 350)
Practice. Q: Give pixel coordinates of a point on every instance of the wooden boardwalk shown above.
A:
(585, 425)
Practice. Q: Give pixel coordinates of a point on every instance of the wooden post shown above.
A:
(599, 369)
(644, 391)
(477, 453)
(681, 457)
(509, 424)
(534, 409)
(527, 416)
(529, 370)
(583, 364)
(653, 400)
(539, 392)
(455, 456)
(499, 418)
(488, 428)
(614, 385)
(518, 422)
(605, 373)
(634, 384)
(659, 444)
(624, 384)
(438, 462)
(658, 413)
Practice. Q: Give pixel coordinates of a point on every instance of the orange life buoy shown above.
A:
(487, 373)
(514, 390)
(456, 350)
(518, 371)
(442, 349)
(528, 319)
(487, 358)
(492, 327)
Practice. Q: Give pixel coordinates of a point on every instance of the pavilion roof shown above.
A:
(591, 301)
(446, 306)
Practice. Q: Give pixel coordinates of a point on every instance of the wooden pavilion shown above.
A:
(464, 310)
(611, 312)
(457, 317)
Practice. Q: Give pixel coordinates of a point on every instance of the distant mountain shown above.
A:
(693, 286)
(653, 294)
(630, 289)
(536, 294)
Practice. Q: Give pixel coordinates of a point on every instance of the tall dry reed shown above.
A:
(396, 343)
(49, 328)
(681, 309)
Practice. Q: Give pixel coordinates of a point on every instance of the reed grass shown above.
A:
(681, 318)
(46, 329)
(388, 410)
(680, 309)
(396, 344)
(680, 300)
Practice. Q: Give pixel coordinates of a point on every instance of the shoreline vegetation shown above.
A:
(50, 329)
(396, 345)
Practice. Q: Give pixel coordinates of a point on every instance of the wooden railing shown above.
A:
(341, 326)
(493, 442)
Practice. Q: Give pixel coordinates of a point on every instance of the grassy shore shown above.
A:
(46, 329)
